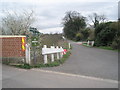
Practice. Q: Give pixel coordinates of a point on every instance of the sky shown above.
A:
(49, 13)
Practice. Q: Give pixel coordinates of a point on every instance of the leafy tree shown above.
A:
(79, 36)
(73, 23)
(91, 34)
(105, 34)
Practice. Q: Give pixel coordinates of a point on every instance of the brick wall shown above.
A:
(12, 47)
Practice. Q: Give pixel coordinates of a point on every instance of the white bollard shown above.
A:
(45, 56)
(45, 59)
(58, 53)
(61, 53)
(69, 46)
(92, 43)
(88, 43)
(27, 54)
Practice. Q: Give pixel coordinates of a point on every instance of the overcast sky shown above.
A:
(49, 13)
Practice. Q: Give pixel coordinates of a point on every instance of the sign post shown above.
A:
(34, 41)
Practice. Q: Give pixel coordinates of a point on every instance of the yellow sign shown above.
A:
(23, 43)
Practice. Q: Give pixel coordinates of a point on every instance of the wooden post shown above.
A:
(58, 53)
(52, 55)
(45, 59)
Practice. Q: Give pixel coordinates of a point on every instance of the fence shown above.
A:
(52, 50)
(45, 52)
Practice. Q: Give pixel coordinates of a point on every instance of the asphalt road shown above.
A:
(85, 68)
(93, 62)
(36, 78)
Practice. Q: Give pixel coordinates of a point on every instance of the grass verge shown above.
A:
(101, 47)
(107, 48)
(52, 64)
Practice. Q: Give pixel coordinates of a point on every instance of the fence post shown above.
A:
(69, 45)
(52, 55)
(58, 53)
(45, 56)
(27, 54)
(61, 53)
(45, 59)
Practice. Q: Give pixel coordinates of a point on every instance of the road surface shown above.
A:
(85, 68)
(37, 78)
(93, 62)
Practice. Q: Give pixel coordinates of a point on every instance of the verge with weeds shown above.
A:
(52, 64)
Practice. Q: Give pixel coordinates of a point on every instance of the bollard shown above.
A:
(92, 43)
(27, 54)
(61, 53)
(45, 59)
(69, 46)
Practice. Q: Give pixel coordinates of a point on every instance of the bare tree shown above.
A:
(96, 19)
(17, 24)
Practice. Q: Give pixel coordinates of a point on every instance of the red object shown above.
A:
(65, 50)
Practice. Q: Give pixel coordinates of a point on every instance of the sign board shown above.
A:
(35, 41)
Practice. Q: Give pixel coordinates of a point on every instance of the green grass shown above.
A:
(101, 47)
(55, 63)
(85, 44)
(106, 48)
(24, 66)
(52, 64)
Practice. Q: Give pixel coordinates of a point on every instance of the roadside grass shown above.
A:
(85, 44)
(107, 48)
(51, 64)
(101, 47)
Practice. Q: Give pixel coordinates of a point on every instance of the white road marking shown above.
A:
(76, 75)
